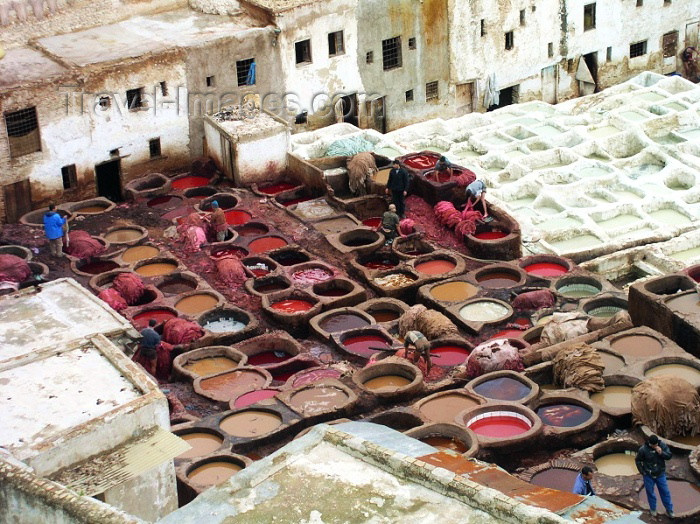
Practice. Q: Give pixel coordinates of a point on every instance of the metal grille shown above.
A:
(588, 17)
(336, 46)
(638, 49)
(670, 44)
(431, 91)
(303, 51)
(243, 73)
(23, 132)
(391, 53)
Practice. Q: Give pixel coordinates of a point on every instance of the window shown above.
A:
(412, 43)
(640, 3)
(70, 177)
(670, 44)
(134, 99)
(114, 152)
(245, 72)
(509, 40)
(522, 17)
(483, 27)
(303, 52)
(154, 147)
(409, 95)
(336, 46)
(23, 132)
(550, 49)
(211, 81)
(667, 2)
(533, 8)
(391, 53)
(638, 49)
(588, 17)
(431, 91)
(301, 118)
(369, 57)
(608, 54)
(104, 102)
(164, 89)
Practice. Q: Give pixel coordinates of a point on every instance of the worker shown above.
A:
(147, 354)
(444, 167)
(390, 224)
(651, 462)
(398, 186)
(582, 484)
(419, 346)
(218, 221)
(54, 228)
(475, 193)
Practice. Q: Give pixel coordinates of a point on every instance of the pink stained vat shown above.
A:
(435, 267)
(228, 252)
(421, 161)
(292, 306)
(490, 235)
(253, 397)
(312, 275)
(372, 222)
(260, 245)
(314, 375)
(500, 426)
(446, 356)
(188, 182)
(546, 269)
(140, 321)
(268, 358)
(178, 212)
(162, 201)
(508, 333)
(361, 345)
(438, 177)
(237, 218)
(252, 230)
(276, 188)
(293, 201)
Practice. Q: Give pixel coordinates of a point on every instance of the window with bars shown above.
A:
(670, 44)
(303, 52)
(431, 91)
(245, 72)
(70, 177)
(588, 17)
(154, 147)
(510, 40)
(23, 132)
(391, 53)
(409, 95)
(134, 99)
(336, 43)
(638, 49)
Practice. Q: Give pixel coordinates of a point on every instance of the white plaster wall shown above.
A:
(149, 496)
(257, 161)
(213, 138)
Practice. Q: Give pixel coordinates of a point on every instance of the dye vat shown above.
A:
(490, 235)
(448, 356)
(372, 222)
(202, 444)
(564, 415)
(270, 286)
(499, 424)
(314, 375)
(384, 315)
(386, 383)
(269, 358)
(227, 385)
(197, 303)
(252, 230)
(276, 188)
(237, 218)
(290, 257)
(253, 397)
(688, 373)
(688, 440)
(292, 201)
(292, 306)
(444, 443)
(546, 269)
(421, 162)
(90, 210)
(361, 345)
(617, 464)
(210, 365)
(578, 290)
(435, 267)
(498, 279)
(311, 275)
(263, 244)
(611, 362)
(502, 388)
(95, 267)
(141, 320)
(137, 253)
(454, 291)
(257, 268)
(616, 397)
(687, 304)
(156, 269)
(177, 286)
(177, 213)
(639, 346)
(318, 399)
(438, 177)
(213, 473)
(121, 236)
(380, 263)
(224, 325)
(190, 181)
(444, 408)
(484, 311)
(555, 478)
(163, 201)
(342, 322)
(395, 280)
(685, 497)
(332, 292)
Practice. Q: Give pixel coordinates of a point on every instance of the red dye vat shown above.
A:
(490, 235)
(292, 306)
(439, 177)
(446, 356)
(293, 201)
(435, 267)
(546, 269)
(508, 333)
(260, 245)
(332, 292)
(379, 263)
(500, 426)
(372, 222)
(161, 201)
(98, 266)
(177, 213)
(253, 397)
(311, 275)
(251, 230)
(361, 345)
(159, 315)
(228, 252)
(314, 376)
(188, 182)
(421, 162)
(276, 188)
(522, 321)
(236, 218)
(268, 358)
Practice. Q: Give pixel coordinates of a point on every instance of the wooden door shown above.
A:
(18, 200)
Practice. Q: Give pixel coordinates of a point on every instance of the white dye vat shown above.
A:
(690, 134)
(561, 223)
(593, 171)
(546, 130)
(602, 132)
(650, 97)
(577, 243)
(670, 217)
(618, 221)
(633, 116)
(625, 195)
(675, 106)
(686, 255)
(643, 170)
(484, 311)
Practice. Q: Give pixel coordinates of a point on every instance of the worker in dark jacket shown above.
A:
(398, 185)
(147, 354)
(651, 463)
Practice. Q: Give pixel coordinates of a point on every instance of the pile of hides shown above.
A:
(669, 406)
(464, 223)
(431, 323)
(532, 300)
(349, 146)
(181, 331)
(564, 326)
(230, 270)
(596, 323)
(82, 245)
(493, 355)
(113, 299)
(361, 167)
(129, 286)
(192, 232)
(14, 269)
(407, 227)
(465, 178)
(579, 366)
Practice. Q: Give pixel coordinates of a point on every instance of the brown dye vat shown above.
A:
(96, 267)
(156, 270)
(446, 407)
(498, 279)
(136, 253)
(90, 209)
(687, 304)
(445, 443)
(454, 291)
(342, 322)
(386, 383)
(229, 385)
(618, 397)
(685, 497)
(251, 423)
(436, 267)
(502, 388)
(555, 478)
(213, 473)
(202, 444)
(611, 362)
(210, 365)
(617, 464)
(385, 315)
(637, 345)
(688, 373)
(251, 230)
(122, 235)
(177, 286)
(688, 441)
(315, 400)
(196, 304)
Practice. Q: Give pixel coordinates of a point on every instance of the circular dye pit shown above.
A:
(447, 356)
(384, 315)
(141, 320)
(311, 275)
(380, 263)
(224, 325)
(176, 286)
(137, 253)
(444, 408)
(555, 478)
(292, 306)
(578, 290)
(454, 291)
(177, 213)
(689, 440)
(502, 388)
(685, 497)
(276, 188)
(290, 257)
(685, 372)
(421, 161)
(187, 182)
(237, 218)
(331, 291)
(372, 222)
(292, 201)
(386, 383)
(689, 303)
(342, 322)
(395, 280)
(318, 399)
(202, 444)
(484, 311)
(611, 362)
(637, 345)
(156, 269)
(360, 345)
(603, 311)
(95, 267)
(269, 358)
(120, 236)
(314, 375)
(564, 415)
(228, 385)
(499, 424)
(213, 473)
(445, 443)
(490, 235)
(228, 252)
(618, 397)
(438, 177)
(210, 365)
(498, 279)
(90, 210)
(263, 244)
(197, 303)
(546, 269)
(253, 397)
(359, 241)
(252, 230)
(617, 464)
(163, 201)
(270, 286)
(435, 267)
(258, 268)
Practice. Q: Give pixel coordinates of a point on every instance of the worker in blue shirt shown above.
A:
(582, 485)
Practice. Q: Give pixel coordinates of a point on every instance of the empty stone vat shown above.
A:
(329, 396)
(125, 235)
(177, 283)
(148, 186)
(252, 229)
(265, 285)
(445, 436)
(225, 201)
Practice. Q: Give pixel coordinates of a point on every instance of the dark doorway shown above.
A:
(506, 97)
(108, 179)
(591, 60)
(18, 200)
(350, 109)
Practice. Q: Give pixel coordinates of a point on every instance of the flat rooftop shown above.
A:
(247, 121)
(24, 65)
